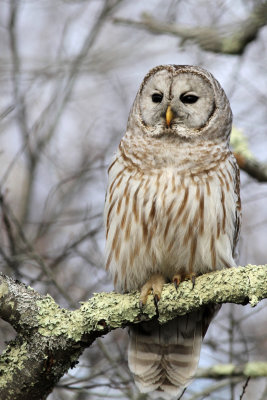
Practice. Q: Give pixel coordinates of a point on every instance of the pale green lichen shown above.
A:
(55, 321)
(3, 289)
(230, 45)
(253, 301)
(223, 369)
(235, 286)
(114, 309)
(12, 359)
(104, 309)
(256, 369)
(256, 285)
(239, 144)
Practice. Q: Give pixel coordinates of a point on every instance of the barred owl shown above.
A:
(172, 212)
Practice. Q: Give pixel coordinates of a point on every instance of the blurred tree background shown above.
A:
(69, 72)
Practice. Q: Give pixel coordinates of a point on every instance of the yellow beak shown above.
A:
(169, 116)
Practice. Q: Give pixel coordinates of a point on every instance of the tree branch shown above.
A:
(245, 158)
(207, 38)
(253, 168)
(51, 339)
(221, 371)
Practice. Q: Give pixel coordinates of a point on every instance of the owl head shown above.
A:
(181, 102)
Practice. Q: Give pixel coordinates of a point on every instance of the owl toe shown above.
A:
(178, 278)
(153, 285)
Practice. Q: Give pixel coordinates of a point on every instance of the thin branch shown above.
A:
(46, 125)
(253, 168)
(245, 158)
(19, 99)
(20, 106)
(213, 388)
(63, 91)
(222, 371)
(22, 246)
(244, 388)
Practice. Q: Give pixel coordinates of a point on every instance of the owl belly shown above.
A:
(168, 224)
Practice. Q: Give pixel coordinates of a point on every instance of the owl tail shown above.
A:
(164, 358)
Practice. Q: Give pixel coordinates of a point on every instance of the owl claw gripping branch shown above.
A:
(177, 279)
(172, 212)
(154, 285)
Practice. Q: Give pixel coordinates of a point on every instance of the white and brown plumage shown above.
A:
(172, 210)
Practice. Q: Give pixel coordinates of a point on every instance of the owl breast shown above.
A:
(168, 221)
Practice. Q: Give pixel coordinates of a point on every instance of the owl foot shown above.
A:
(177, 279)
(154, 285)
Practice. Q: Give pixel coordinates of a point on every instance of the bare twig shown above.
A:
(63, 91)
(20, 106)
(18, 96)
(46, 125)
(21, 246)
(244, 388)
(214, 387)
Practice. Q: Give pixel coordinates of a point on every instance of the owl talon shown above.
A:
(156, 299)
(154, 285)
(143, 298)
(177, 279)
(193, 280)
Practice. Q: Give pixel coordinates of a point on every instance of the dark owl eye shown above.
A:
(157, 97)
(188, 98)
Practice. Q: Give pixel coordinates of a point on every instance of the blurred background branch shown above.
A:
(245, 158)
(228, 39)
(225, 370)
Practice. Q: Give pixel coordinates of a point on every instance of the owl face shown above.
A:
(176, 101)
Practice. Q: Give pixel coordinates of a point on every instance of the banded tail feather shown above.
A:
(164, 358)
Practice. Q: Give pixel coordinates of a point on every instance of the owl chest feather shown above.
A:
(168, 222)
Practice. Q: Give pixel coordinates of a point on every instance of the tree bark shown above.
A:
(50, 339)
